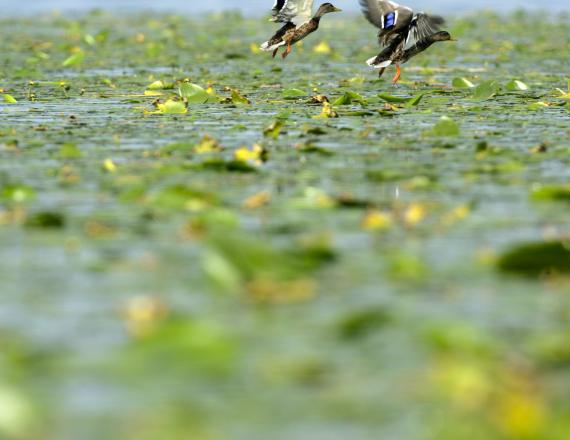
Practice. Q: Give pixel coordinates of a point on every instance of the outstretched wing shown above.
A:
(296, 11)
(388, 16)
(424, 25)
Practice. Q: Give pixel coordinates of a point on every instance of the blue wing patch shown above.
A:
(389, 20)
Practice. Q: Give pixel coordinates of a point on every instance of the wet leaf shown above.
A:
(193, 93)
(486, 90)
(393, 99)
(327, 112)
(350, 97)
(534, 259)
(462, 83)
(46, 220)
(9, 99)
(551, 192)
(74, 60)
(238, 98)
(516, 85)
(18, 193)
(274, 129)
(171, 107)
(294, 94)
(69, 151)
(359, 324)
(446, 127)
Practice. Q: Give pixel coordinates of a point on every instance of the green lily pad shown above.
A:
(193, 93)
(294, 93)
(486, 90)
(350, 97)
(533, 259)
(552, 192)
(462, 83)
(516, 85)
(446, 127)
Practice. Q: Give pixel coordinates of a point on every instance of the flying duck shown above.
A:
(296, 15)
(397, 25)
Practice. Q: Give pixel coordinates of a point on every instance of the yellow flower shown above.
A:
(377, 220)
(520, 415)
(257, 200)
(109, 166)
(415, 214)
(322, 48)
(254, 154)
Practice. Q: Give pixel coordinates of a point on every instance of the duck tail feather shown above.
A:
(268, 46)
(378, 64)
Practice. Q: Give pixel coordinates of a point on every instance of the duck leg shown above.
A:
(398, 75)
(381, 72)
(288, 50)
(275, 52)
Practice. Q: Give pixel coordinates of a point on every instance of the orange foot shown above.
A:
(287, 51)
(398, 75)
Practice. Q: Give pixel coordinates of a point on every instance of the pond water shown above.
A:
(263, 265)
(256, 6)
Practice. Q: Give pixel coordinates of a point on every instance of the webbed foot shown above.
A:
(398, 75)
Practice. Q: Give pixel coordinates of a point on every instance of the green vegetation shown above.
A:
(201, 242)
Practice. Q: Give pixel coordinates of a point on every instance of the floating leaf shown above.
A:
(446, 127)
(415, 101)
(462, 83)
(486, 90)
(360, 323)
(18, 193)
(193, 93)
(171, 107)
(157, 85)
(410, 102)
(273, 130)
(533, 259)
(350, 97)
(74, 60)
(46, 220)
(207, 145)
(294, 93)
(9, 99)
(551, 192)
(393, 99)
(516, 85)
(69, 151)
(238, 98)
(327, 112)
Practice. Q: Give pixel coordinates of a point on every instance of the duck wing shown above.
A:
(294, 11)
(388, 16)
(424, 25)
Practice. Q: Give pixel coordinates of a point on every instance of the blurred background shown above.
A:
(10, 7)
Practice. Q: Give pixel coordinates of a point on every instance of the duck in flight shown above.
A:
(298, 22)
(398, 24)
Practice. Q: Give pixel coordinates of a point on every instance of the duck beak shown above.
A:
(337, 10)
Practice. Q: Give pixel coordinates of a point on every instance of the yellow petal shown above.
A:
(377, 220)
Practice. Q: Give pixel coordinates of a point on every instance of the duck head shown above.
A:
(441, 36)
(326, 8)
